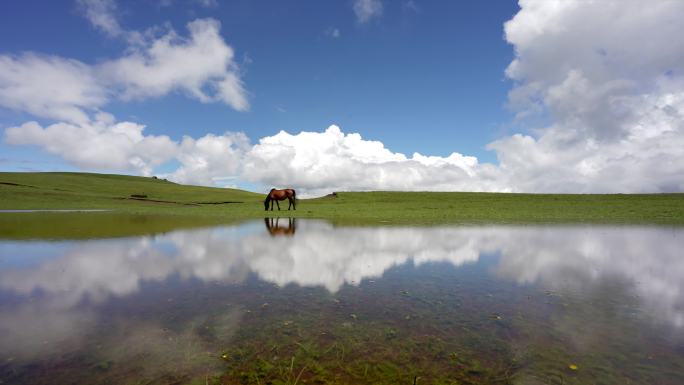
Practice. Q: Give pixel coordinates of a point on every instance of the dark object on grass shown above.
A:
(281, 195)
(138, 196)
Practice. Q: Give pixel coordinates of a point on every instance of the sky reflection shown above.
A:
(645, 261)
(323, 255)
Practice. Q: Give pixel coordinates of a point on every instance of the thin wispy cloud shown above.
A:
(410, 6)
(366, 10)
(102, 15)
(333, 32)
(208, 3)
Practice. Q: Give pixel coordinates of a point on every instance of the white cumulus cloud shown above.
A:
(200, 65)
(320, 162)
(211, 159)
(49, 86)
(100, 145)
(107, 145)
(610, 77)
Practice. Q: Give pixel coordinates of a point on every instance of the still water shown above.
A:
(287, 302)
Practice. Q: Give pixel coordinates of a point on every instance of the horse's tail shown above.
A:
(294, 195)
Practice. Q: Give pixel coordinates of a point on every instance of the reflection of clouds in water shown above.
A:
(330, 257)
(648, 259)
(95, 269)
(320, 255)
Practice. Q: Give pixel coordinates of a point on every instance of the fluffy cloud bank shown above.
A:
(102, 144)
(315, 162)
(610, 76)
(331, 160)
(105, 144)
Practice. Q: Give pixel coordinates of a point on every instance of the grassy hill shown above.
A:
(136, 205)
(84, 190)
(163, 199)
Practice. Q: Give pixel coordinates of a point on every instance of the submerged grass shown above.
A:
(149, 196)
(441, 332)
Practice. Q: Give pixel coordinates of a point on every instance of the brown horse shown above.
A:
(281, 195)
(275, 229)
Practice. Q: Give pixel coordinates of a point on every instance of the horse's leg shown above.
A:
(271, 204)
(278, 203)
(289, 200)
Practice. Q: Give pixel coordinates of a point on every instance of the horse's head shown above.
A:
(266, 201)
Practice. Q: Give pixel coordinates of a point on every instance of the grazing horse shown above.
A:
(275, 229)
(281, 195)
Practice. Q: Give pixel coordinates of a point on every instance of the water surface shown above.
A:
(279, 301)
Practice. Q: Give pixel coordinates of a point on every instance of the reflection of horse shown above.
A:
(281, 195)
(274, 229)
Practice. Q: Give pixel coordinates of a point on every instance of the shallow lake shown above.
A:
(294, 302)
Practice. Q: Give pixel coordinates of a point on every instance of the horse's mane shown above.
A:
(268, 196)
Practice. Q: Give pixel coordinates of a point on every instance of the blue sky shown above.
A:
(432, 77)
(429, 80)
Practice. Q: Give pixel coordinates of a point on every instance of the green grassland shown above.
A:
(162, 203)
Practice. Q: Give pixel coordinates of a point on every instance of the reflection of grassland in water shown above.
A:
(76, 225)
(211, 205)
